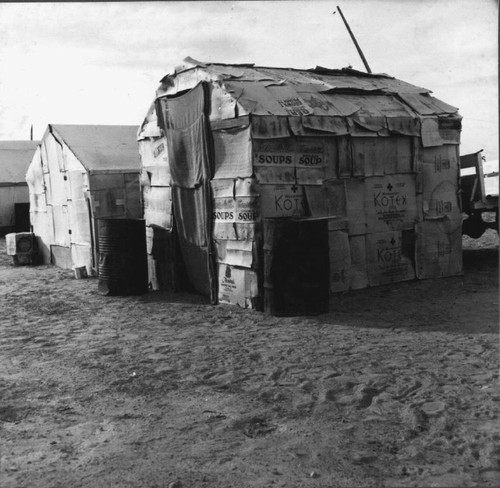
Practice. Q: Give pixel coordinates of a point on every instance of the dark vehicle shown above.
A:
(479, 194)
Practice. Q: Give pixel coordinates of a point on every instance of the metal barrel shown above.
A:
(123, 265)
(296, 267)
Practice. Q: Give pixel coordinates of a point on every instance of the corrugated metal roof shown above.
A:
(102, 147)
(15, 157)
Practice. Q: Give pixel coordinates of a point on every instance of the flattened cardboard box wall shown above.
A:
(439, 248)
(377, 158)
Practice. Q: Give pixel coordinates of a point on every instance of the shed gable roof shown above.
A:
(15, 158)
(319, 91)
(102, 147)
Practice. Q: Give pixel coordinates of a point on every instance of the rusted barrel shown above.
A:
(296, 266)
(123, 265)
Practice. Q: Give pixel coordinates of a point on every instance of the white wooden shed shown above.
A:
(81, 173)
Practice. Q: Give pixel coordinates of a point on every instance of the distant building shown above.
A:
(79, 174)
(15, 157)
(233, 153)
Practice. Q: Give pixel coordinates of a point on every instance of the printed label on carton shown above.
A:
(274, 153)
(390, 202)
(387, 260)
(236, 285)
(224, 210)
(247, 209)
(295, 106)
(283, 201)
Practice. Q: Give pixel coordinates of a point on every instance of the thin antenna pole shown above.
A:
(355, 42)
(31, 132)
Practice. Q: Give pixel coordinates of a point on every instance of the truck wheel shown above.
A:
(474, 226)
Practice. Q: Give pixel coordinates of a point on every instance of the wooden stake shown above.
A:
(355, 42)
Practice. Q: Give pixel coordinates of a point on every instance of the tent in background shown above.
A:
(231, 152)
(15, 157)
(81, 173)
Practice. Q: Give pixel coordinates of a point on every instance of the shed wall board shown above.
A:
(61, 256)
(235, 253)
(388, 259)
(61, 225)
(56, 188)
(438, 249)
(71, 162)
(328, 200)
(358, 270)
(133, 200)
(77, 184)
(81, 255)
(232, 153)
(382, 155)
(440, 175)
(355, 206)
(283, 201)
(390, 203)
(79, 222)
(158, 206)
(237, 286)
(340, 261)
(53, 150)
(154, 159)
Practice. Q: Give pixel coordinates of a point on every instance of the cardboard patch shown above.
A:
(222, 188)
(283, 201)
(439, 249)
(382, 155)
(439, 174)
(275, 174)
(290, 161)
(237, 286)
(429, 132)
(232, 153)
(358, 277)
(355, 206)
(390, 203)
(275, 152)
(389, 257)
(224, 230)
(235, 253)
(310, 161)
(340, 261)
(240, 209)
(224, 209)
(331, 158)
(158, 206)
(328, 200)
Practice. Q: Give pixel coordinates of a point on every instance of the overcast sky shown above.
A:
(100, 63)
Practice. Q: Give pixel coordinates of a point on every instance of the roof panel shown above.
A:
(425, 104)
(321, 91)
(102, 147)
(15, 158)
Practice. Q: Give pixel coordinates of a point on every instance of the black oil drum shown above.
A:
(21, 217)
(296, 267)
(123, 265)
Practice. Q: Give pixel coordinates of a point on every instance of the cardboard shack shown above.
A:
(252, 176)
(81, 173)
(15, 157)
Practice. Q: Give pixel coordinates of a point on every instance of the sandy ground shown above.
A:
(397, 386)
